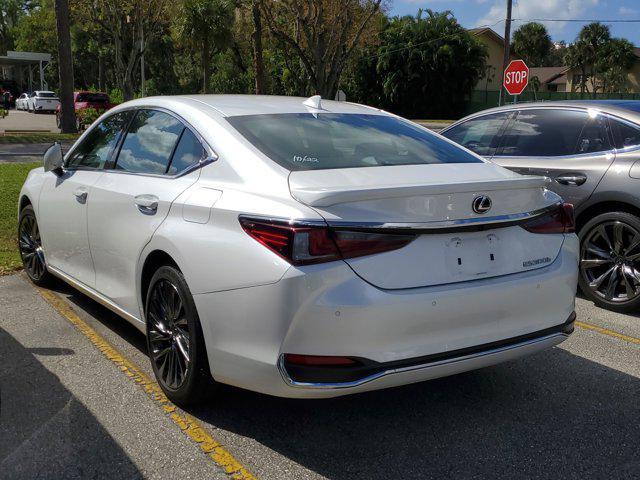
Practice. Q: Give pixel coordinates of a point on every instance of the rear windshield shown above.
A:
(306, 141)
(46, 95)
(92, 97)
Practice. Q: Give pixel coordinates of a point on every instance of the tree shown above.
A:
(322, 34)
(130, 25)
(205, 25)
(65, 69)
(614, 64)
(595, 38)
(532, 43)
(11, 11)
(256, 37)
(602, 60)
(429, 64)
(576, 57)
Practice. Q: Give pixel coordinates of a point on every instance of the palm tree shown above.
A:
(205, 25)
(532, 43)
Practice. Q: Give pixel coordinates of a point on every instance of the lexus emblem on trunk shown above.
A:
(481, 204)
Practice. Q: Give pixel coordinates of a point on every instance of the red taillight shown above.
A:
(304, 245)
(559, 220)
(317, 360)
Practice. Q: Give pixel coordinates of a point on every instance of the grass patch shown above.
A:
(10, 138)
(12, 176)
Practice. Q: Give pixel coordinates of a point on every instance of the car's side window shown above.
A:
(555, 132)
(624, 134)
(96, 147)
(188, 152)
(149, 143)
(479, 135)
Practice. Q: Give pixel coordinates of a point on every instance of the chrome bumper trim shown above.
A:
(289, 381)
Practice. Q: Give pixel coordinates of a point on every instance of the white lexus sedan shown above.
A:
(300, 248)
(42, 101)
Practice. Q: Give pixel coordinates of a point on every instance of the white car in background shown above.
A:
(300, 248)
(43, 101)
(22, 102)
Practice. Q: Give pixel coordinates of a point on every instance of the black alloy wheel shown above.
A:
(174, 338)
(30, 247)
(610, 261)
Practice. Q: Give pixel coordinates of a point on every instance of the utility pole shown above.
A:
(507, 48)
(65, 67)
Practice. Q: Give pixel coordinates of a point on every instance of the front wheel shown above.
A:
(30, 247)
(174, 338)
(610, 261)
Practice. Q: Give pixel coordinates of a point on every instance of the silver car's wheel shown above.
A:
(610, 261)
(169, 336)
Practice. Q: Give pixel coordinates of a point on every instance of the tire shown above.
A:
(175, 342)
(610, 261)
(30, 247)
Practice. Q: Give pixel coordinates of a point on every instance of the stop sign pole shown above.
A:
(516, 77)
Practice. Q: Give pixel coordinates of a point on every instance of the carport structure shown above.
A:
(22, 67)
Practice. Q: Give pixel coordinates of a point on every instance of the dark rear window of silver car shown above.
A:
(308, 141)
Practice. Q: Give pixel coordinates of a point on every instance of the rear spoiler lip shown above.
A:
(326, 197)
(443, 226)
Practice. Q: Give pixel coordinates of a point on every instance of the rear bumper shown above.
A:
(438, 364)
(409, 335)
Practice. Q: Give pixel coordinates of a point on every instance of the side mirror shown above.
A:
(53, 159)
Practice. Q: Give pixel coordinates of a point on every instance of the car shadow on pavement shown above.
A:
(106, 317)
(45, 432)
(552, 415)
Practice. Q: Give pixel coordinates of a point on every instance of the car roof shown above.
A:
(627, 109)
(235, 105)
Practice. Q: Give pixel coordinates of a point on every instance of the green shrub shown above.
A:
(87, 116)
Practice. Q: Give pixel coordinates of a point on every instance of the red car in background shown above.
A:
(81, 100)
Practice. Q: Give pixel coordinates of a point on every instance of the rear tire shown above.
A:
(610, 260)
(175, 342)
(30, 247)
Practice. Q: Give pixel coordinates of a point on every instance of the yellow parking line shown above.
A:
(190, 426)
(606, 331)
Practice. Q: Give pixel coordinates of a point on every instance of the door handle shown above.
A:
(574, 180)
(147, 204)
(81, 194)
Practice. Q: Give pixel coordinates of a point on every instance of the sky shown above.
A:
(475, 13)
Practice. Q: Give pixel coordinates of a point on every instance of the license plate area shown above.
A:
(473, 254)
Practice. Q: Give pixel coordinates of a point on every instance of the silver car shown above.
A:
(591, 152)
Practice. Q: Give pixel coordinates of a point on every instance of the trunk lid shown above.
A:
(434, 202)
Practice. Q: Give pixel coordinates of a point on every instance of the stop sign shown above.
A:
(516, 77)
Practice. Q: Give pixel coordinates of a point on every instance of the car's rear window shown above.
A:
(307, 141)
(92, 97)
(46, 95)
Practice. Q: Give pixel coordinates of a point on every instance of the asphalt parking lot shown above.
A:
(77, 401)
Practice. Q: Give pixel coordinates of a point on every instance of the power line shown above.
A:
(576, 20)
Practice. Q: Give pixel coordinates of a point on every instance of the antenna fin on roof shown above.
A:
(313, 102)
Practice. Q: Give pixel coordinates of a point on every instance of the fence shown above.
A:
(481, 99)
